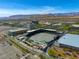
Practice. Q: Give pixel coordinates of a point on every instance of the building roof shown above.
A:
(17, 29)
(75, 25)
(70, 39)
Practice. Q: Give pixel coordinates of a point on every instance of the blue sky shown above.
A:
(13, 7)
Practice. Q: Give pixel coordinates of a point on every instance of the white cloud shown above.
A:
(40, 10)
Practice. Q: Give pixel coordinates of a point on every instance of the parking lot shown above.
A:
(7, 51)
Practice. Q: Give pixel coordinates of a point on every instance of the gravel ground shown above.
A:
(7, 51)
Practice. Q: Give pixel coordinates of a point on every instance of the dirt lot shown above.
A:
(6, 51)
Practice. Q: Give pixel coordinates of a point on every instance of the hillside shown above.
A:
(46, 17)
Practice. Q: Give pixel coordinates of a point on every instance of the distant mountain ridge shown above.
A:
(41, 15)
(50, 14)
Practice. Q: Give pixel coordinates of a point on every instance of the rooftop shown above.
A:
(70, 39)
(75, 25)
(18, 29)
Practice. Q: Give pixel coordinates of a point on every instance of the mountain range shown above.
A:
(36, 16)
